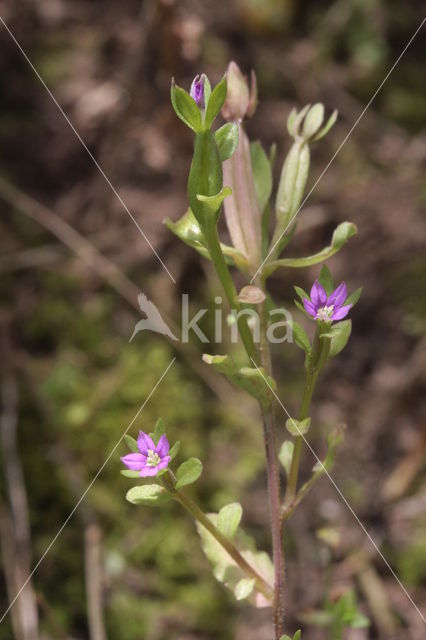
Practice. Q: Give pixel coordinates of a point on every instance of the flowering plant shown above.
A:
(231, 173)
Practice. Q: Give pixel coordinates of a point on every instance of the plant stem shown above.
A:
(274, 489)
(318, 358)
(225, 542)
(218, 259)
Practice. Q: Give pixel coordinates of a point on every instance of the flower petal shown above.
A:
(309, 307)
(339, 314)
(318, 295)
(162, 446)
(148, 471)
(338, 296)
(145, 443)
(163, 464)
(134, 461)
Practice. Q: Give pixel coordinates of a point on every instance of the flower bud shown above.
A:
(197, 91)
(242, 211)
(240, 100)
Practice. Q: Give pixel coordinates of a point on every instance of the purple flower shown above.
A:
(151, 459)
(197, 91)
(328, 308)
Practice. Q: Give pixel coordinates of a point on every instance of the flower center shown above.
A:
(153, 459)
(325, 313)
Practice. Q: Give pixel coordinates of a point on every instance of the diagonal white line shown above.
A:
(361, 115)
(101, 171)
(48, 548)
(342, 496)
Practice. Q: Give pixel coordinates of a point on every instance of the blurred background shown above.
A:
(73, 262)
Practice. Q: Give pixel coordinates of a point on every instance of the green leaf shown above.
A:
(339, 335)
(148, 494)
(212, 204)
(313, 120)
(207, 89)
(285, 455)
(252, 380)
(326, 128)
(326, 279)
(354, 297)
(291, 121)
(215, 103)
(174, 450)
(227, 140)
(298, 427)
(359, 621)
(300, 336)
(291, 186)
(188, 230)
(128, 473)
(341, 235)
(159, 429)
(186, 108)
(297, 636)
(262, 174)
(229, 517)
(301, 293)
(244, 588)
(224, 567)
(188, 472)
(131, 443)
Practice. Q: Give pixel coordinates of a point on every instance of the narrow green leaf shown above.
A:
(229, 517)
(174, 450)
(148, 494)
(250, 379)
(354, 297)
(262, 174)
(215, 104)
(207, 89)
(301, 293)
(291, 121)
(341, 235)
(188, 472)
(185, 107)
(326, 128)
(286, 455)
(298, 427)
(244, 588)
(297, 635)
(212, 204)
(326, 279)
(313, 120)
(339, 334)
(128, 473)
(131, 443)
(227, 140)
(300, 336)
(159, 429)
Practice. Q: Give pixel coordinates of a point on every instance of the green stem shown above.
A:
(225, 542)
(218, 259)
(317, 360)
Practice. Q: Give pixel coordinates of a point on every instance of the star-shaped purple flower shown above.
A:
(327, 308)
(151, 459)
(197, 91)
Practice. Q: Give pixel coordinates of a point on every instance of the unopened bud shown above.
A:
(197, 90)
(240, 100)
